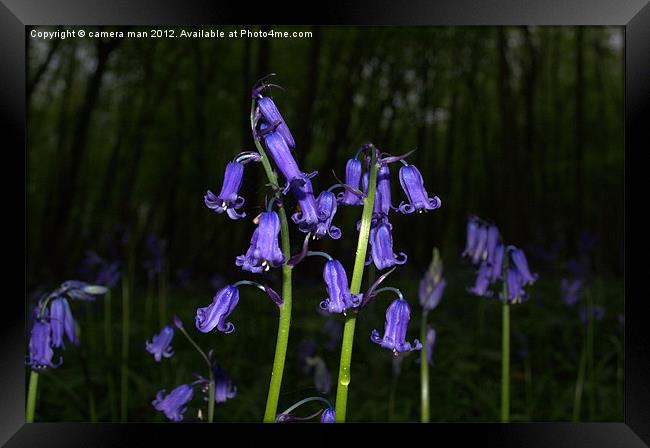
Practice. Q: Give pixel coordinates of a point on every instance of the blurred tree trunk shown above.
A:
(530, 137)
(41, 69)
(55, 180)
(154, 91)
(78, 146)
(579, 130)
(350, 85)
(509, 185)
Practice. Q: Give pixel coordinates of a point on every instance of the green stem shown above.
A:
(424, 372)
(210, 373)
(124, 383)
(108, 341)
(108, 325)
(590, 353)
(505, 357)
(355, 287)
(284, 323)
(31, 396)
(577, 398)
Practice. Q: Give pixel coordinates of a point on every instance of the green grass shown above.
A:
(465, 380)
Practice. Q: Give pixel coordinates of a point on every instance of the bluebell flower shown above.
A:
(224, 388)
(215, 314)
(382, 194)
(284, 160)
(480, 250)
(492, 242)
(430, 292)
(381, 247)
(307, 217)
(109, 275)
(339, 297)
(413, 185)
(429, 343)
(398, 315)
(160, 345)
(228, 199)
(473, 227)
(482, 282)
(570, 290)
(597, 313)
(519, 259)
(61, 321)
(174, 404)
(273, 117)
(496, 265)
(264, 251)
(40, 347)
(515, 284)
(326, 210)
(79, 290)
(327, 416)
(352, 179)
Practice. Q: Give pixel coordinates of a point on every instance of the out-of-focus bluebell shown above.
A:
(570, 290)
(160, 345)
(174, 404)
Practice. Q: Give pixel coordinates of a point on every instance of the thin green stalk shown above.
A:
(210, 373)
(424, 372)
(590, 353)
(108, 347)
(108, 324)
(355, 287)
(284, 323)
(31, 396)
(577, 398)
(124, 383)
(505, 357)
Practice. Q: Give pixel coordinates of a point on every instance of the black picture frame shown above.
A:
(634, 15)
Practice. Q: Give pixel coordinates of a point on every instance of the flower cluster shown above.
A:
(53, 320)
(484, 247)
(174, 404)
(106, 273)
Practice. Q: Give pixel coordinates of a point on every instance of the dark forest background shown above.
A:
(519, 125)
(523, 126)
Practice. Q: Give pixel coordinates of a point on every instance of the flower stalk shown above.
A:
(505, 356)
(31, 397)
(355, 288)
(284, 323)
(424, 372)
